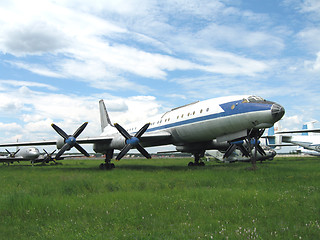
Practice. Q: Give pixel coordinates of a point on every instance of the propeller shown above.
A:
(251, 142)
(256, 134)
(70, 140)
(256, 144)
(48, 157)
(12, 154)
(236, 145)
(132, 141)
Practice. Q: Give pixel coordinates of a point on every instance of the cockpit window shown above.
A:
(252, 99)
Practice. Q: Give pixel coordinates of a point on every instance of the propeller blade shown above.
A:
(261, 151)
(230, 150)
(243, 150)
(60, 131)
(16, 152)
(143, 151)
(123, 132)
(45, 152)
(124, 151)
(79, 130)
(142, 130)
(261, 132)
(8, 152)
(80, 149)
(62, 150)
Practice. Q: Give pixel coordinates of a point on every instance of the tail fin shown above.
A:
(274, 140)
(104, 117)
(304, 127)
(308, 126)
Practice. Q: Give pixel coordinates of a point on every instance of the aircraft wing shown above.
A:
(155, 136)
(300, 131)
(147, 137)
(36, 143)
(11, 159)
(54, 142)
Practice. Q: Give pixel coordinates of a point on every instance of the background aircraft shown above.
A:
(23, 154)
(309, 138)
(221, 123)
(33, 155)
(237, 155)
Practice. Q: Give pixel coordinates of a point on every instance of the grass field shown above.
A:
(161, 199)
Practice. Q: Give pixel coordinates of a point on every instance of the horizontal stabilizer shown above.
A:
(300, 131)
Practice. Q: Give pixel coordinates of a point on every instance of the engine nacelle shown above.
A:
(60, 143)
(196, 147)
(117, 142)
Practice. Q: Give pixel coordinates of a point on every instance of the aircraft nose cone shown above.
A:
(277, 111)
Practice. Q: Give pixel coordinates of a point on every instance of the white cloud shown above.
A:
(36, 68)
(310, 38)
(311, 6)
(316, 65)
(240, 37)
(228, 63)
(37, 110)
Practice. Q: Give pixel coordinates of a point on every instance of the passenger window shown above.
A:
(201, 111)
(207, 109)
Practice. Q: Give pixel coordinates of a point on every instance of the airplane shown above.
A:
(31, 154)
(308, 140)
(222, 123)
(237, 155)
(23, 154)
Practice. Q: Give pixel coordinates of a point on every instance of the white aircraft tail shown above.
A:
(104, 117)
(273, 139)
(308, 126)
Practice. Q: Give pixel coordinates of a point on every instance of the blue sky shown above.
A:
(143, 57)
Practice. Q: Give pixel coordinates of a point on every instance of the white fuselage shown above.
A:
(223, 119)
(29, 153)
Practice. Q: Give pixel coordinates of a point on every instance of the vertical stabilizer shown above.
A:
(104, 117)
(308, 126)
(272, 138)
(304, 127)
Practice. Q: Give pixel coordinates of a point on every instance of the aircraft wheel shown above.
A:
(190, 164)
(201, 164)
(102, 166)
(112, 166)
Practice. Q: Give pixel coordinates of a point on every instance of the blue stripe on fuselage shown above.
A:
(230, 108)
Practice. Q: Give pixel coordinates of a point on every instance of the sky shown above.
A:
(58, 58)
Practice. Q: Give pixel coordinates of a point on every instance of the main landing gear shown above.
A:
(197, 159)
(107, 165)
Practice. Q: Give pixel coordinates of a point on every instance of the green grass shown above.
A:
(161, 199)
